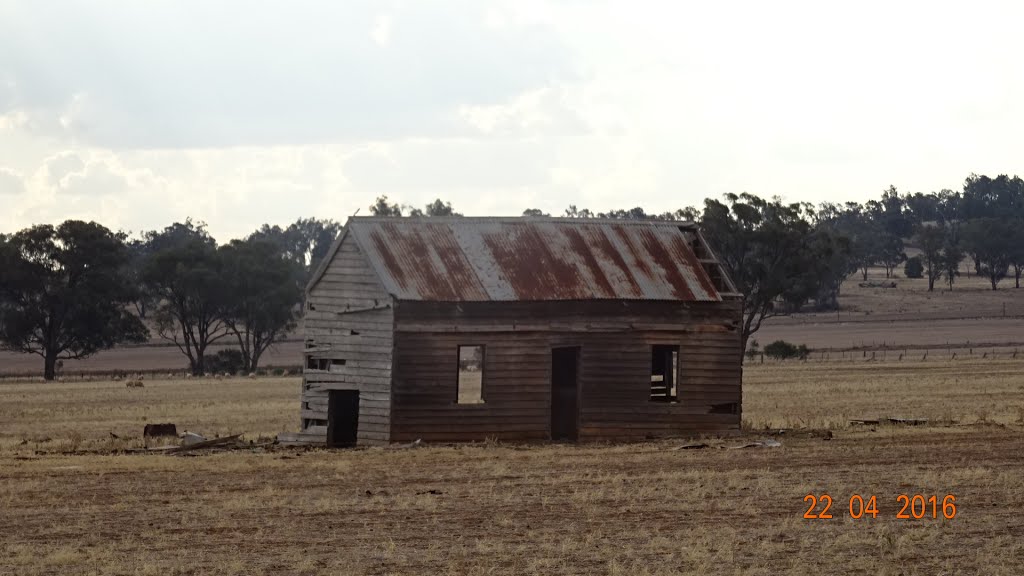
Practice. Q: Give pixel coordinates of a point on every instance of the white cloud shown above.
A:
(381, 32)
(61, 165)
(97, 179)
(545, 111)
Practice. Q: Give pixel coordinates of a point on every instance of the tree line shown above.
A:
(71, 290)
(787, 257)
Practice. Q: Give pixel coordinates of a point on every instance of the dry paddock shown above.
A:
(69, 505)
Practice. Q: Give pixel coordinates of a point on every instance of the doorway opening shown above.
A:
(565, 393)
(342, 418)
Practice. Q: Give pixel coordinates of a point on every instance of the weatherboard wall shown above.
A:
(615, 340)
(348, 324)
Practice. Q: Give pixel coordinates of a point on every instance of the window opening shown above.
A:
(471, 375)
(664, 373)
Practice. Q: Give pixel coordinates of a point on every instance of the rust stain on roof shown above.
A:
(507, 259)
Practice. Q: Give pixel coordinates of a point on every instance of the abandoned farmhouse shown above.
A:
(460, 329)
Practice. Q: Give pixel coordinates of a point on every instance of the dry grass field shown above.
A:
(970, 298)
(69, 504)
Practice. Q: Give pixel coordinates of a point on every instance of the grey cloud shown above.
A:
(11, 184)
(61, 165)
(203, 74)
(97, 180)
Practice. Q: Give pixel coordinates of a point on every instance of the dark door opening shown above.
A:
(564, 393)
(342, 418)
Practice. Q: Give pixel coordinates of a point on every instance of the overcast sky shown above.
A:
(137, 114)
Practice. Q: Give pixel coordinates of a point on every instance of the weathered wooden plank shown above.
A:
(335, 381)
(348, 371)
(352, 320)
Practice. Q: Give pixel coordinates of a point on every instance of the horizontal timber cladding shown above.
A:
(569, 316)
(516, 388)
(614, 377)
(348, 331)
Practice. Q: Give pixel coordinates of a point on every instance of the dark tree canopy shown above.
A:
(889, 213)
(138, 252)
(991, 242)
(1017, 250)
(435, 208)
(184, 274)
(766, 247)
(304, 242)
(64, 292)
(381, 207)
(931, 240)
(265, 290)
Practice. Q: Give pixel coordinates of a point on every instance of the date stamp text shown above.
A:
(908, 507)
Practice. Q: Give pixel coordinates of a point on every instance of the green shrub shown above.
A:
(782, 350)
(914, 268)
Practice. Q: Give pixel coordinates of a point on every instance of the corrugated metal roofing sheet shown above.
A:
(508, 259)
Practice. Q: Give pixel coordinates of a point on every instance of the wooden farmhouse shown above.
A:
(462, 329)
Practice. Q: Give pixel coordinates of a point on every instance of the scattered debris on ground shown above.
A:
(414, 444)
(156, 430)
(823, 433)
(192, 443)
(896, 421)
(878, 284)
(190, 438)
(234, 441)
(762, 444)
(769, 443)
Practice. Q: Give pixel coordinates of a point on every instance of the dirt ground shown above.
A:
(72, 505)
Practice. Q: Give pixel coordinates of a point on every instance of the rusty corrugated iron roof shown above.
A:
(532, 259)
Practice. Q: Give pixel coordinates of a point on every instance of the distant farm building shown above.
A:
(460, 329)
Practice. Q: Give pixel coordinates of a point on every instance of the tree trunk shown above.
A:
(992, 278)
(865, 272)
(49, 366)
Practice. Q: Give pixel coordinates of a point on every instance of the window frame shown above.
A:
(672, 393)
(458, 374)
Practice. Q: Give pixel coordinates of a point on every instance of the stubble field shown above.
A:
(70, 504)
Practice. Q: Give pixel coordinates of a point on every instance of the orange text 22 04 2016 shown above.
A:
(907, 507)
